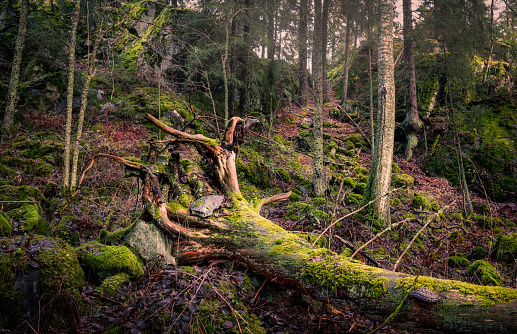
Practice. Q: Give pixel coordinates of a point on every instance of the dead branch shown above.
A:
(272, 199)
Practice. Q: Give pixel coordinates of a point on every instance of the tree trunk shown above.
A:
(344, 92)
(287, 258)
(12, 94)
(489, 58)
(379, 179)
(84, 100)
(412, 123)
(70, 94)
(370, 75)
(324, 40)
(318, 168)
(302, 54)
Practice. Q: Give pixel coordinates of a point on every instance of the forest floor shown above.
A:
(139, 306)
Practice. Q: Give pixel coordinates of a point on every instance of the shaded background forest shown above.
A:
(204, 62)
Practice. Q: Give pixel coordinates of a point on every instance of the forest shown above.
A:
(244, 166)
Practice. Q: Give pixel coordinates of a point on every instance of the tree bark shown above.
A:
(302, 54)
(344, 92)
(324, 40)
(318, 168)
(12, 94)
(70, 94)
(379, 179)
(412, 123)
(84, 101)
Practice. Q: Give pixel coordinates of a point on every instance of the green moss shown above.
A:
(402, 180)
(330, 148)
(6, 224)
(284, 174)
(22, 193)
(395, 169)
(359, 280)
(10, 298)
(353, 199)
(319, 201)
(115, 237)
(64, 227)
(395, 202)
(29, 219)
(349, 182)
(107, 261)
(457, 262)
(60, 269)
(7, 172)
(484, 273)
(242, 168)
(294, 197)
(421, 202)
(212, 318)
(111, 284)
(506, 248)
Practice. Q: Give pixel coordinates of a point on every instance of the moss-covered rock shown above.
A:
(150, 241)
(484, 273)
(65, 229)
(284, 174)
(506, 248)
(34, 268)
(421, 202)
(6, 224)
(29, 218)
(111, 284)
(402, 180)
(457, 262)
(15, 194)
(353, 199)
(105, 261)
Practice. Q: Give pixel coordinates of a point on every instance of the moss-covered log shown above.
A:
(289, 259)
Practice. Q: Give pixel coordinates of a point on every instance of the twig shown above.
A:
(19, 201)
(351, 213)
(416, 235)
(255, 298)
(378, 235)
(353, 247)
(357, 126)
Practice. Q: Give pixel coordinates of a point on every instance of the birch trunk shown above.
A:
(379, 179)
(70, 95)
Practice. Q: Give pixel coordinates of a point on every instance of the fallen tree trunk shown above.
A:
(288, 259)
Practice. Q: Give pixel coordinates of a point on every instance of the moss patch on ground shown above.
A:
(506, 248)
(484, 273)
(110, 284)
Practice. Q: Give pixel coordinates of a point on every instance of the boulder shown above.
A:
(151, 241)
(205, 206)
